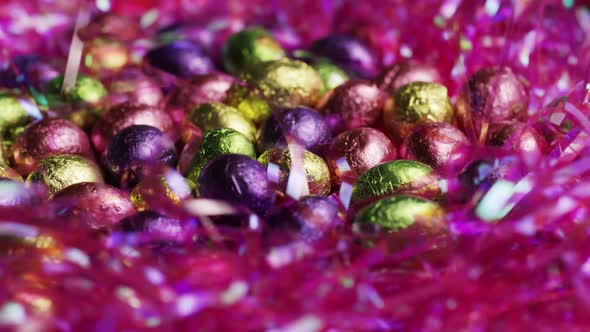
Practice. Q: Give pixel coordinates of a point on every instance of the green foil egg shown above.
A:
(60, 171)
(217, 115)
(399, 212)
(316, 169)
(217, 142)
(330, 74)
(395, 177)
(414, 103)
(86, 89)
(246, 48)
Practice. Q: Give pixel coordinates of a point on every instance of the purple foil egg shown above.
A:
(393, 77)
(124, 115)
(237, 179)
(311, 217)
(348, 53)
(96, 205)
(137, 145)
(304, 125)
(437, 144)
(153, 227)
(354, 104)
(181, 58)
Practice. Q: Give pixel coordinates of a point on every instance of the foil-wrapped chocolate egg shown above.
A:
(216, 115)
(104, 54)
(354, 104)
(492, 94)
(284, 83)
(124, 115)
(394, 77)
(317, 172)
(395, 177)
(46, 138)
(355, 151)
(524, 140)
(437, 144)
(202, 89)
(400, 212)
(135, 146)
(181, 58)
(310, 216)
(304, 125)
(61, 171)
(112, 26)
(217, 142)
(250, 103)
(249, 47)
(132, 86)
(170, 183)
(332, 76)
(237, 179)
(154, 228)
(96, 205)
(86, 90)
(12, 113)
(347, 52)
(414, 103)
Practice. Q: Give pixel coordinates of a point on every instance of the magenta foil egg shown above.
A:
(354, 104)
(96, 205)
(393, 77)
(133, 86)
(46, 138)
(520, 138)
(355, 151)
(201, 89)
(125, 115)
(492, 94)
(437, 144)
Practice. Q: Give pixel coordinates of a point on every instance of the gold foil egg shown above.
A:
(60, 171)
(316, 169)
(217, 115)
(286, 83)
(171, 183)
(414, 103)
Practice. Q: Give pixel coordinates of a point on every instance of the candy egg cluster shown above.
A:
(324, 112)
